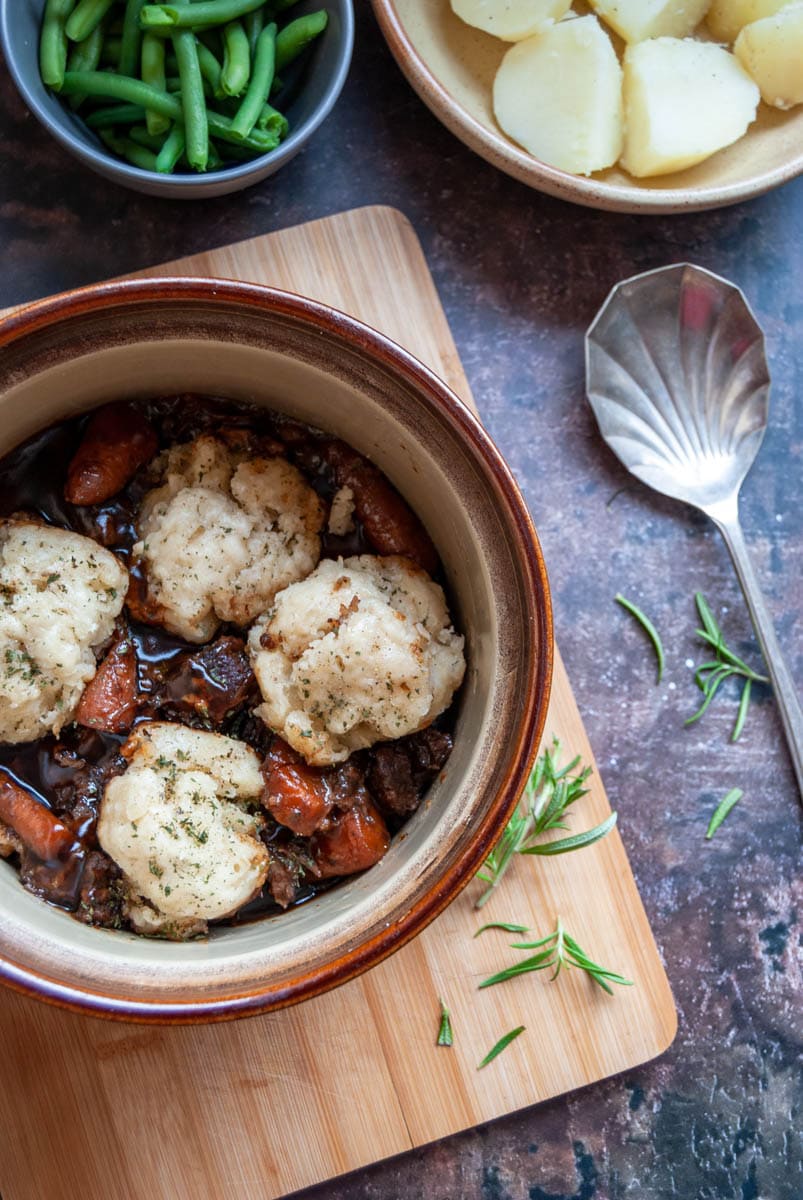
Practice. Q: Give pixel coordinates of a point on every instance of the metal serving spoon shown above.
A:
(678, 381)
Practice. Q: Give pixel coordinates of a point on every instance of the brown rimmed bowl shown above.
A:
(163, 336)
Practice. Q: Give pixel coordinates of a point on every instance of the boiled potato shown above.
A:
(559, 94)
(637, 20)
(511, 20)
(684, 100)
(771, 51)
(727, 17)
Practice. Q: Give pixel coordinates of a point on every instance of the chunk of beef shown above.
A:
(400, 772)
(80, 766)
(117, 441)
(209, 683)
(290, 867)
(100, 898)
(282, 882)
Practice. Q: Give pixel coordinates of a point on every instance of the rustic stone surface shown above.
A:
(521, 276)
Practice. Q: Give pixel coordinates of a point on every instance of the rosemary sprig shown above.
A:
(445, 1034)
(548, 795)
(556, 951)
(721, 811)
(649, 629)
(709, 676)
(508, 927)
(503, 1042)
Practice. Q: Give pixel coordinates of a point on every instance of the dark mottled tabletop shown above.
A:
(521, 275)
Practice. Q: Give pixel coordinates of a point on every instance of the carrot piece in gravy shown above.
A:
(117, 441)
(354, 842)
(34, 824)
(109, 702)
(295, 795)
(390, 524)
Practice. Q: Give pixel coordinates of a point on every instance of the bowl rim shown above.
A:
(359, 338)
(501, 152)
(126, 173)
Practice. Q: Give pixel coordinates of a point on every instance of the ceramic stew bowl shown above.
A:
(63, 356)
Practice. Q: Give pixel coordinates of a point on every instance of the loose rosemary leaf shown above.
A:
(649, 629)
(576, 842)
(501, 1045)
(721, 811)
(536, 963)
(506, 925)
(741, 715)
(445, 1034)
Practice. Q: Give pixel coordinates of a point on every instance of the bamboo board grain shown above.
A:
(262, 1107)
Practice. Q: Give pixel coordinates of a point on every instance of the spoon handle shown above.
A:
(782, 682)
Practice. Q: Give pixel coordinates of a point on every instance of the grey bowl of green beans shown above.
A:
(186, 100)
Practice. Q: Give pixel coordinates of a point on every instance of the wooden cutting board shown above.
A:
(260, 1107)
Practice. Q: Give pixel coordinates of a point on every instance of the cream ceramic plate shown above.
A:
(452, 67)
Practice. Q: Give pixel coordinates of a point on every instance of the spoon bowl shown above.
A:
(678, 380)
(677, 377)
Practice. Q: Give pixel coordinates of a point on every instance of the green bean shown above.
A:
(215, 162)
(134, 92)
(296, 36)
(85, 56)
(153, 73)
(137, 155)
(140, 135)
(122, 88)
(259, 140)
(132, 36)
(85, 17)
(196, 16)
(171, 151)
(236, 60)
(196, 125)
(53, 42)
(272, 121)
(259, 87)
(254, 23)
(210, 67)
(116, 114)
